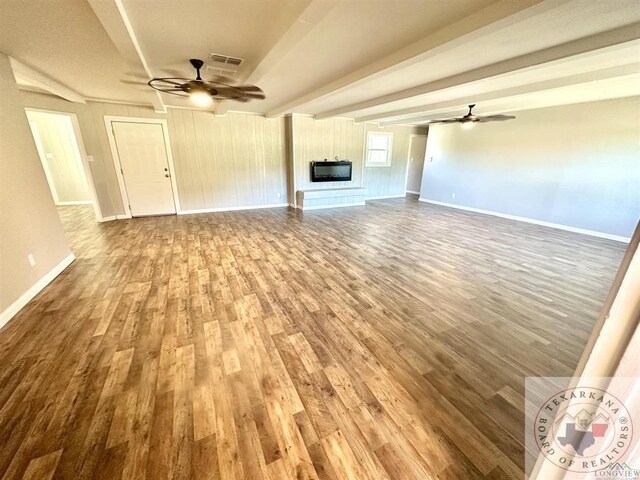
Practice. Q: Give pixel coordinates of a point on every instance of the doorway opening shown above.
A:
(64, 160)
(415, 163)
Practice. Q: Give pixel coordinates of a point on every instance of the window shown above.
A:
(379, 149)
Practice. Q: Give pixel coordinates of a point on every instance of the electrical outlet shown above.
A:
(32, 261)
(453, 195)
(278, 194)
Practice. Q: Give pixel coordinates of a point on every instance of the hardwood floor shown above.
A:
(381, 342)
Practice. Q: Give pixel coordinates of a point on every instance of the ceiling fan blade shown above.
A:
(227, 90)
(261, 96)
(172, 81)
(494, 118)
(447, 120)
(248, 88)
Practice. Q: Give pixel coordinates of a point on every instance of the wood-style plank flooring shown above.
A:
(381, 342)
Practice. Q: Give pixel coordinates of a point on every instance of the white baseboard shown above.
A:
(232, 209)
(16, 306)
(384, 197)
(114, 217)
(338, 205)
(559, 226)
(411, 191)
(78, 202)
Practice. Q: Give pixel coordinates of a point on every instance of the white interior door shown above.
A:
(417, 150)
(145, 167)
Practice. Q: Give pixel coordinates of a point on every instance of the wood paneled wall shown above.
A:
(232, 161)
(388, 181)
(238, 160)
(320, 139)
(221, 162)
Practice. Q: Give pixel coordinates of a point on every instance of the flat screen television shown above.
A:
(334, 171)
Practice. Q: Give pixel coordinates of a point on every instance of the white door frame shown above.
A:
(84, 161)
(406, 176)
(116, 159)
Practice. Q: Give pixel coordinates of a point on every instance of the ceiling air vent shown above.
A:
(216, 57)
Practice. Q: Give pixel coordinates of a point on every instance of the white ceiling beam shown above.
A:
(559, 52)
(408, 114)
(315, 11)
(308, 19)
(29, 77)
(607, 88)
(113, 17)
(490, 19)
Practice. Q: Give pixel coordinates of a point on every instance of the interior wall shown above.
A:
(316, 140)
(574, 165)
(238, 160)
(345, 139)
(61, 157)
(94, 134)
(29, 222)
(288, 137)
(390, 181)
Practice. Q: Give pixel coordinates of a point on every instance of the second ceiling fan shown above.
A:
(469, 120)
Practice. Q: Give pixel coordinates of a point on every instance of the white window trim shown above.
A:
(389, 152)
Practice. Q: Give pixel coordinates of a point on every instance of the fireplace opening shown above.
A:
(334, 171)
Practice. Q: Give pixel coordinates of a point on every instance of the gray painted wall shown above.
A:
(575, 165)
(29, 222)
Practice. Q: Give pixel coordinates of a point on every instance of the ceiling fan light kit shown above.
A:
(202, 99)
(203, 92)
(469, 120)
